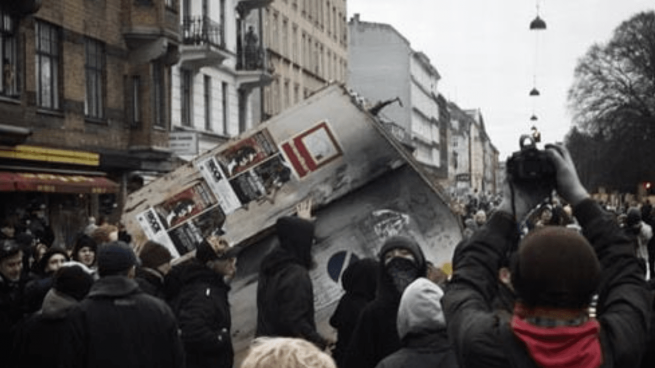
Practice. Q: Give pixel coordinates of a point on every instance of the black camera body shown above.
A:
(530, 165)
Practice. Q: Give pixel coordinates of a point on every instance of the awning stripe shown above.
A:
(55, 183)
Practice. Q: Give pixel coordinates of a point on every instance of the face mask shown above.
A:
(402, 271)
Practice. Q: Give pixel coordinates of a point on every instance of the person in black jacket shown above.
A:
(155, 264)
(285, 294)
(118, 325)
(359, 281)
(422, 330)
(45, 339)
(555, 273)
(401, 261)
(203, 308)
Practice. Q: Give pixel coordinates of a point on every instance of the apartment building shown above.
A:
(85, 101)
(384, 67)
(307, 43)
(222, 67)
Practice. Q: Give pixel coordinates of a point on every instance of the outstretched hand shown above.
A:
(304, 209)
(568, 182)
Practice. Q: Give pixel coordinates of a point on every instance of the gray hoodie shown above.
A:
(420, 309)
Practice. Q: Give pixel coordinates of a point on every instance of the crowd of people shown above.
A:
(544, 277)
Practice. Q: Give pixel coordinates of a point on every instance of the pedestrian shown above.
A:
(45, 338)
(641, 233)
(118, 325)
(12, 285)
(155, 264)
(84, 251)
(42, 278)
(285, 294)
(401, 261)
(555, 273)
(285, 352)
(203, 308)
(104, 234)
(359, 281)
(422, 330)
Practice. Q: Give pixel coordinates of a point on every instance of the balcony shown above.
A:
(203, 43)
(21, 8)
(245, 6)
(152, 32)
(253, 68)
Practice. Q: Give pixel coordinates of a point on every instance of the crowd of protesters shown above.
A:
(545, 276)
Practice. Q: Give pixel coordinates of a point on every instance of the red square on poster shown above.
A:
(312, 149)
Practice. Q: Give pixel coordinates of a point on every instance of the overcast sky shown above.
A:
(489, 59)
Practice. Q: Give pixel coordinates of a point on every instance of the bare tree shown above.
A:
(613, 97)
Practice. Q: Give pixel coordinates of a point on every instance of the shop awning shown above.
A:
(55, 183)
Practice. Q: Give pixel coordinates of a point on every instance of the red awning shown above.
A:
(55, 183)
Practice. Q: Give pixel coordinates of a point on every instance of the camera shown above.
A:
(530, 165)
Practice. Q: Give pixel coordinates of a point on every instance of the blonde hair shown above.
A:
(285, 352)
(102, 234)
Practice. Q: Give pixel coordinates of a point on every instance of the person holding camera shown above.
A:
(555, 272)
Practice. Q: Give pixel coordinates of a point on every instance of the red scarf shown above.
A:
(561, 347)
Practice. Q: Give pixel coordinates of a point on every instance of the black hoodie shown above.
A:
(285, 295)
(376, 334)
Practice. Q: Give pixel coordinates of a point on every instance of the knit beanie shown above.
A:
(45, 258)
(153, 255)
(115, 258)
(73, 280)
(555, 267)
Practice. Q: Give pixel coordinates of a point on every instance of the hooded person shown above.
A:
(401, 261)
(34, 343)
(555, 272)
(422, 330)
(202, 306)
(285, 294)
(359, 282)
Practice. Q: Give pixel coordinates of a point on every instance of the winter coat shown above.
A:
(376, 334)
(422, 330)
(151, 282)
(484, 338)
(359, 281)
(203, 312)
(121, 326)
(11, 313)
(45, 339)
(285, 294)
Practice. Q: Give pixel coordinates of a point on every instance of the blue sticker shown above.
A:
(337, 264)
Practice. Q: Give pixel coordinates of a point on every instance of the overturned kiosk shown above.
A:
(364, 184)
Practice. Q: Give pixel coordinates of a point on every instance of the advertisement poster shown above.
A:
(185, 204)
(216, 180)
(186, 236)
(247, 153)
(155, 231)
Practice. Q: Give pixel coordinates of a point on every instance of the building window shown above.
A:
(8, 55)
(48, 42)
(94, 104)
(136, 100)
(208, 103)
(225, 105)
(159, 94)
(186, 85)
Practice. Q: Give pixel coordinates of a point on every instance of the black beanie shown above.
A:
(555, 267)
(115, 258)
(153, 255)
(73, 281)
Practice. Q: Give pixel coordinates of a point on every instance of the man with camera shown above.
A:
(555, 273)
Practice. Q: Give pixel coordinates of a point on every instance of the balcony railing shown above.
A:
(202, 30)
